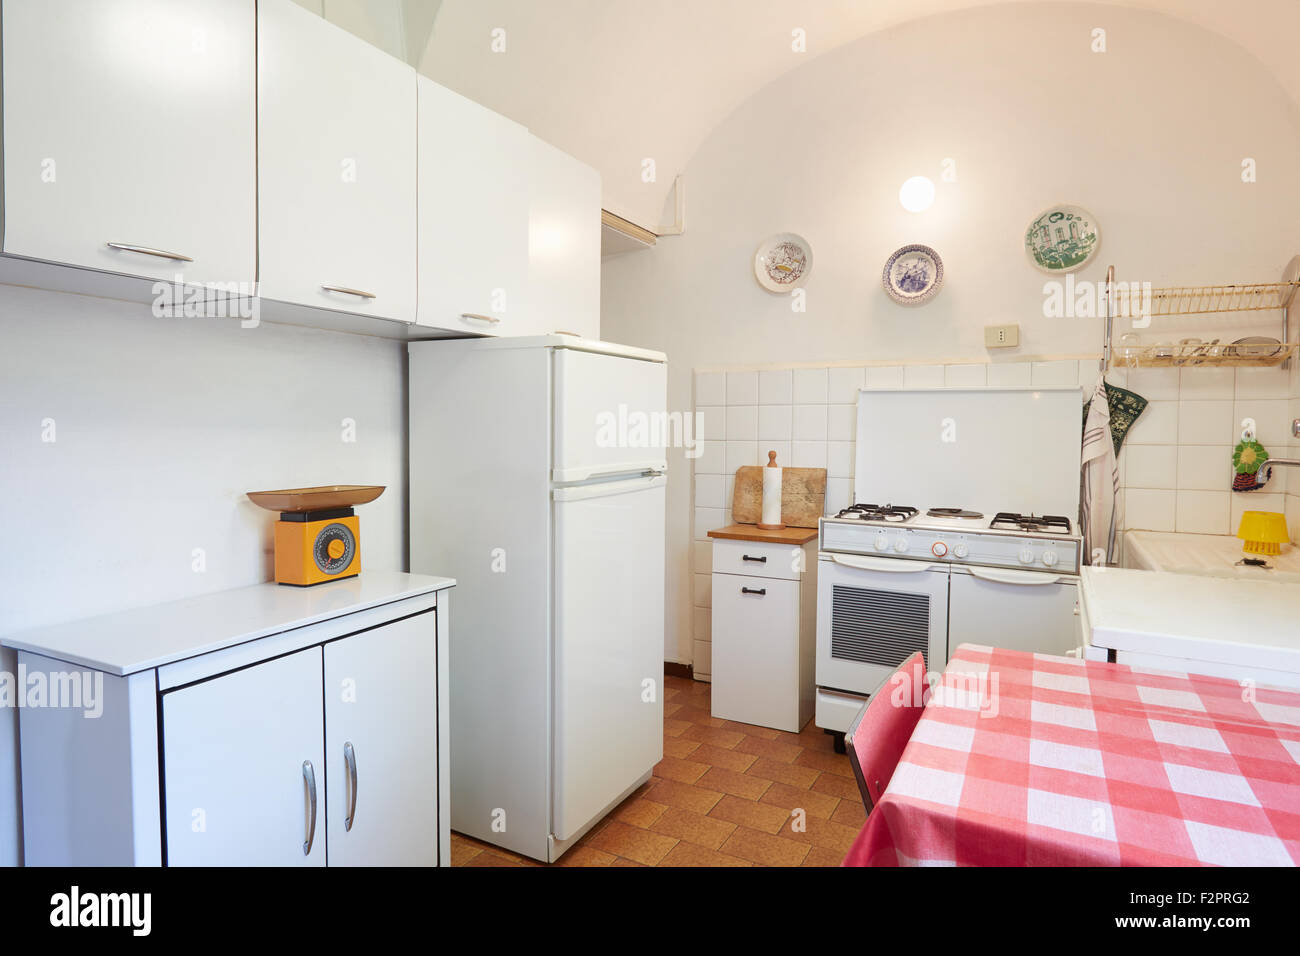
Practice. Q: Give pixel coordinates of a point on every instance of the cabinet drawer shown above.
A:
(764, 560)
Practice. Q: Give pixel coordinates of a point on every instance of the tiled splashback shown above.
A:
(1175, 467)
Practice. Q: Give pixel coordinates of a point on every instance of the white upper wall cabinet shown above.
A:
(473, 210)
(336, 168)
(563, 243)
(106, 110)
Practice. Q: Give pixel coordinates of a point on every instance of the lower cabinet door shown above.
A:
(756, 651)
(244, 767)
(381, 733)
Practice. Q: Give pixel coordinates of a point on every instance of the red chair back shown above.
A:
(882, 728)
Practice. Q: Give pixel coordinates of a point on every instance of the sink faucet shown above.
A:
(1263, 477)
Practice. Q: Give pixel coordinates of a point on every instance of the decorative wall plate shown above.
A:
(782, 262)
(1062, 239)
(913, 275)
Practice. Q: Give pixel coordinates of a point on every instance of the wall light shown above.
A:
(917, 194)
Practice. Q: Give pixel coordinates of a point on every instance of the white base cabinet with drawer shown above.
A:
(764, 633)
(319, 740)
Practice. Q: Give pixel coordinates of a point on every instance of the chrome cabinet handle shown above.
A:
(350, 759)
(148, 251)
(759, 591)
(482, 318)
(309, 778)
(346, 291)
(760, 560)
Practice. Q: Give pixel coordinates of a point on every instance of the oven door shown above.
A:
(872, 613)
(1020, 610)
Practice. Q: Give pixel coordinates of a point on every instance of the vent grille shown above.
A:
(879, 627)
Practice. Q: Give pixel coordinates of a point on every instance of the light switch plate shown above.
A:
(1001, 336)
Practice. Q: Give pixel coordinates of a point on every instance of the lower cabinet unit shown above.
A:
(320, 741)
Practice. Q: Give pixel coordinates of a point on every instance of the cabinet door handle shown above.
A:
(762, 559)
(481, 318)
(309, 778)
(148, 251)
(350, 759)
(346, 291)
(759, 591)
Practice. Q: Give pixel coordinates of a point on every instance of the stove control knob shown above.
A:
(1049, 558)
(939, 549)
(1026, 556)
(960, 550)
(881, 542)
(900, 545)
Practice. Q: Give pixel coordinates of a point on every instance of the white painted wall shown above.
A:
(1149, 136)
(161, 426)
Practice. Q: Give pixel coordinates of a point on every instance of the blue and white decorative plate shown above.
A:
(913, 275)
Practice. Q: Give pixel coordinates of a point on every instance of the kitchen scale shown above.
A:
(317, 538)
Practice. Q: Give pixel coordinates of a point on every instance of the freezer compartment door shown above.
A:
(610, 415)
(609, 645)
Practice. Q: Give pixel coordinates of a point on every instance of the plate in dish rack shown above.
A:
(783, 262)
(913, 275)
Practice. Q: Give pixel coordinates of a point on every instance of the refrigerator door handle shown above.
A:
(602, 489)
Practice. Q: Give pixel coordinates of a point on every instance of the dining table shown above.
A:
(1022, 759)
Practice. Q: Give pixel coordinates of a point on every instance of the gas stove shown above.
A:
(1007, 539)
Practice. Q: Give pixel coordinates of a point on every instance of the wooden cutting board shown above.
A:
(803, 496)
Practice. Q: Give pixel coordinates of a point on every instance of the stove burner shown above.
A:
(1035, 523)
(878, 513)
(954, 513)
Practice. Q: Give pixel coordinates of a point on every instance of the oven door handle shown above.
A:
(895, 565)
(1005, 576)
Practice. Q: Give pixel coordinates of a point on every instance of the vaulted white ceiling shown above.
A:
(619, 82)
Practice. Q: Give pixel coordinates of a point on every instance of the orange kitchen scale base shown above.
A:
(318, 537)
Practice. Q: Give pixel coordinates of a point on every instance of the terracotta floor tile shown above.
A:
(491, 858)
(688, 854)
(834, 784)
(725, 739)
(675, 728)
(752, 730)
(787, 773)
(828, 762)
(679, 746)
(624, 861)
(583, 855)
(741, 784)
(759, 847)
(814, 738)
(772, 749)
(821, 856)
(748, 813)
(671, 708)
(720, 757)
(462, 850)
(685, 795)
(639, 812)
(693, 827)
(819, 832)
(812, 802)
(633, 843)
(851, 813)
(683, 771)
(697, 714)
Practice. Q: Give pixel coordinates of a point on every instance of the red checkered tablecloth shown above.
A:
(1027, 759)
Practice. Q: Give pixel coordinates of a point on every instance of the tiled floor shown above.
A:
(724, 795)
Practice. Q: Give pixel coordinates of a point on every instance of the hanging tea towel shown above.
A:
(1100, 500)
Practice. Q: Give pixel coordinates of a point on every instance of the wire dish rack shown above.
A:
(1217, 354)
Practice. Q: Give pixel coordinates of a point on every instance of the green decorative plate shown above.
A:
(1062, 239)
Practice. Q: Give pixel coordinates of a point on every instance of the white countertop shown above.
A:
(158, 634)
(1233, 621)
(1214, 555)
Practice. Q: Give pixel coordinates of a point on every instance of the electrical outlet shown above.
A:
(1001, 336)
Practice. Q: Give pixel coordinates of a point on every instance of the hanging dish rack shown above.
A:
(1133, 301)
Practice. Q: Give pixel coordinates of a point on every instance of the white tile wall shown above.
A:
(1175, 467)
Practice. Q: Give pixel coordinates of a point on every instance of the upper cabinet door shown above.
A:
(381, 720)
(132, 122)
(473, 213)
(336, 165)
(563, 243)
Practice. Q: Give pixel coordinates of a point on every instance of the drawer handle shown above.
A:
(149, 251)
(347, 291)
(481, 318)
(350, 761)
(759, 591)
(762, 559)
(309, 778)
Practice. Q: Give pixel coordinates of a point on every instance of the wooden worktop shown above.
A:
(749, 532)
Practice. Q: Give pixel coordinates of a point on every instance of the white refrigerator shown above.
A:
(537, 474)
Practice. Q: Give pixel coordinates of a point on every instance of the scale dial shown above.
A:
(333, 548)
